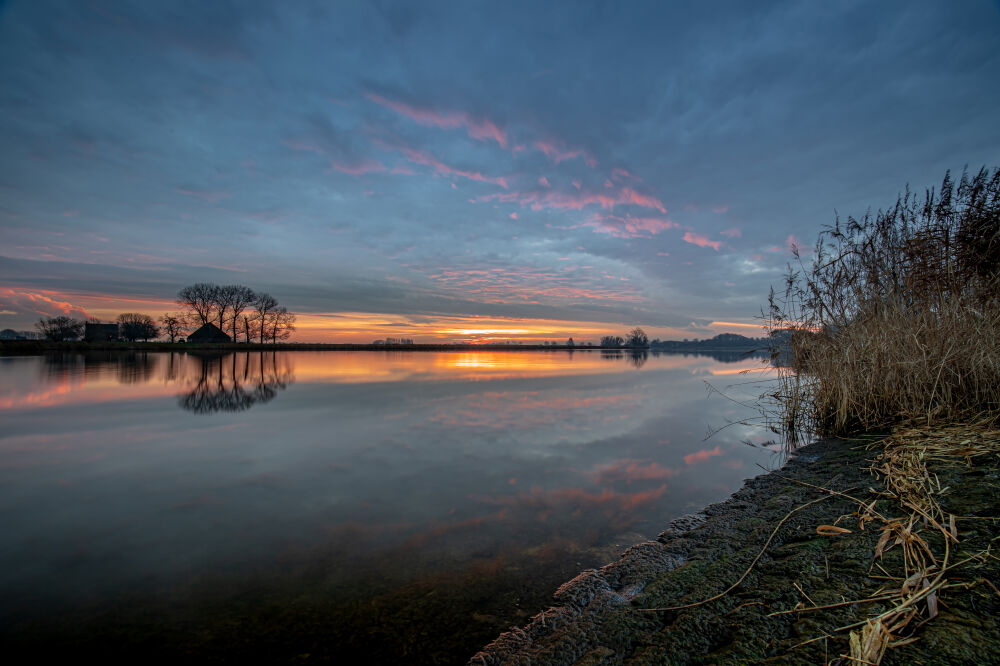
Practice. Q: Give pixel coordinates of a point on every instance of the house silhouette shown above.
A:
(208, 333)
(96, 332)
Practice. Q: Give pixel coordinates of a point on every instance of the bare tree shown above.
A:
(238, 298)
(201, 299)
(174, 325)
(246, 328)
(280, 324)
(263, 306)
(612, 341)
(134, 325)
(637, 339)
(58, 329)
(223, 302)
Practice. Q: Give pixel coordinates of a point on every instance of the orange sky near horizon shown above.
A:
(365, 327)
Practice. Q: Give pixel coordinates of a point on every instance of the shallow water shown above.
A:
(340, 505)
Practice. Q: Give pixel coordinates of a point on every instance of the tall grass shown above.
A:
(897, 316)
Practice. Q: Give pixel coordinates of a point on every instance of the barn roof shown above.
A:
(208, 333)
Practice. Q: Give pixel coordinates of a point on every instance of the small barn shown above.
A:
(208, 333)
(93, 332)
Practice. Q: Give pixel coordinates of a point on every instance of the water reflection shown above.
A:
(235, 382)
(130, 367)
(636, 357)
(377, 488)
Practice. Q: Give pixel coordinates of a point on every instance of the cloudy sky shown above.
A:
(467, 170)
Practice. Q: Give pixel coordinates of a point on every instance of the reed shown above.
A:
(895, 326)
(897, 317)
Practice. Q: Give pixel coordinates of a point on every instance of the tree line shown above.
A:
(235, 309)
(634, 339)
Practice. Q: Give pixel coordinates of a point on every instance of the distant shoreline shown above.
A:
(22, 347)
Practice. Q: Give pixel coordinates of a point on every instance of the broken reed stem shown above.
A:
(826, 490)
(749, 569)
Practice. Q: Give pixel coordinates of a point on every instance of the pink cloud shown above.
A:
(482, 129)
(608, 183)
(720, 209)
(631, 196)
(559, 154)
(513, 216)
(425, 158)
(402, 170)
(732, 233)
(577, 201)
(630, 227)
(701, 456)
(544, 182)
(632, 470)
(367, 166)
(577, 184)
(701, 241)
(38, 302)
(622, 173)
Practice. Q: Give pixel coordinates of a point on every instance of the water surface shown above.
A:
(351, 506)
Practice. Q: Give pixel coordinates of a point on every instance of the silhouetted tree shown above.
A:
(238, 298)
(570, 343)
(246, 328)
(280, 324)
(174, 325)
(58, 329)
(263, 306)
(133, 326)
(225, 306)
(637, 339)
(612, 341)
(201, 300)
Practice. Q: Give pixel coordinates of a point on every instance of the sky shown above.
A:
(467, 171)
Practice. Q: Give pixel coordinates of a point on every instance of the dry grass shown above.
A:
(898, 316)
(895, 326)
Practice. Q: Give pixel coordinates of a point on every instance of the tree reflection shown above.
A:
(236, 382)
(635, 357)
(129, 367)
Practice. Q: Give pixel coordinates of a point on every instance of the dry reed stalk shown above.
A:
(896, 325)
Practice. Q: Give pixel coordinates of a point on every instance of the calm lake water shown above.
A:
(360, 507)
